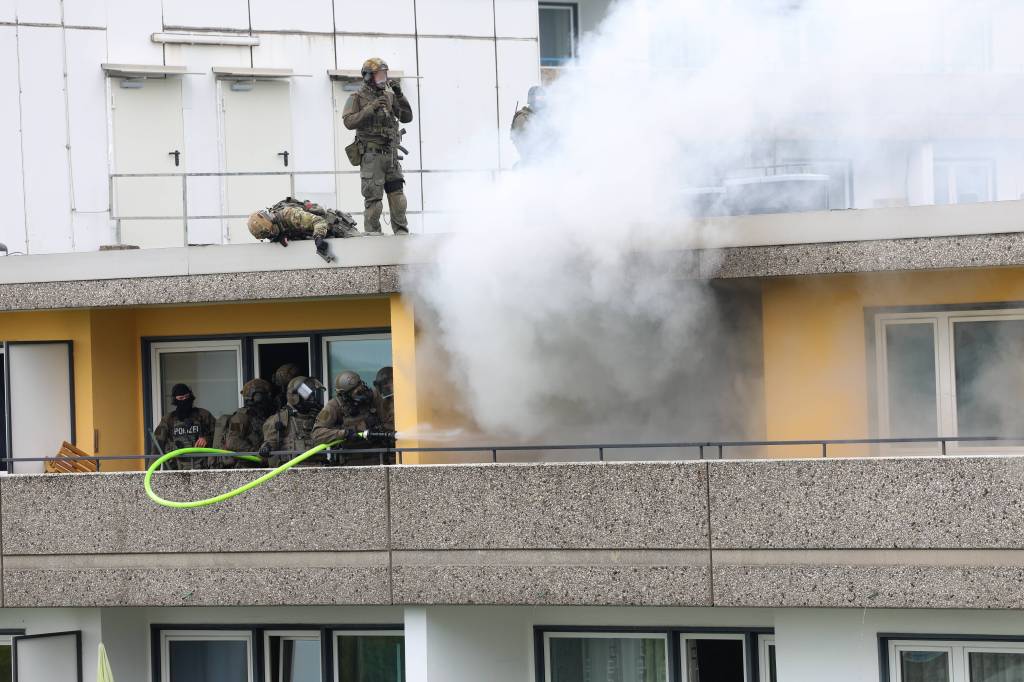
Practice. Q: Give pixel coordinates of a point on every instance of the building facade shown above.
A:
(864, 522)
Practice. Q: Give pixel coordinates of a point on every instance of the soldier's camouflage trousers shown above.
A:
(381, 173)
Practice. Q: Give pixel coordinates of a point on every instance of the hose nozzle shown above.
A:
(375, 434)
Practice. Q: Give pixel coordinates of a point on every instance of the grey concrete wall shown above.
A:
(940, 532)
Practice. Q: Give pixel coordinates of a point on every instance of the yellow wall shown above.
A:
(108, 352)
(815, 352)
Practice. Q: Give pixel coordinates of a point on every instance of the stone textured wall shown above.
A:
(941, 532)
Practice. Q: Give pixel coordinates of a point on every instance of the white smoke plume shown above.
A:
(564, 309)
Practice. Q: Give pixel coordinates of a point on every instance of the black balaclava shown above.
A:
(182, 408)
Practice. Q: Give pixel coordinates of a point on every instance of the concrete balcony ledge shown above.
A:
(793, 244)
(885, 532)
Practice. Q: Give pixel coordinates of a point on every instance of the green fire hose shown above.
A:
(147, 482)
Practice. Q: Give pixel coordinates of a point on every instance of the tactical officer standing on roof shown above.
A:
(243, 430)
(291, 428)
(292, 219)
(374, 112)
(186, 426)
(352, 410)
(525, 120)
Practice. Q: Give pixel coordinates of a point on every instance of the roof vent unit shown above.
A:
(784, 193)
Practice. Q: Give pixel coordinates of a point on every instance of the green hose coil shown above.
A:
(147, 482)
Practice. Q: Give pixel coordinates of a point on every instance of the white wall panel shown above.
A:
(87, 99)
(130, 26)
(12, 227)
(9, 10)
(206, 14)
(459, 105)
(382, 16)
(44, 131)
(516, 18)
(39, 11)
(295, 15)
(201, 119)
(85, 13)
(311, 106)
(92, 230)
(518, 69)
(455, 17)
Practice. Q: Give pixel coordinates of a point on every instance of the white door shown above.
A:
(149, 138)
(257, 139)
(39, 390)
(54, 657)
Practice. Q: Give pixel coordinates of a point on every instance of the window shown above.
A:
(292, 657)
(3, 417)
(952, 661)
(212, 369)
(206, 656)
(658, 655)
(960, 181)
(364, 353)
(269, 354)
(559, 33)
(710, 657)
(950, 373)
(372, 656)
(606, 657)
(766, 657)
(6, 663)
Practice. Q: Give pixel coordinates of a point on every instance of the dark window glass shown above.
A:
(989, 357)
(924, 666)
(910, 374)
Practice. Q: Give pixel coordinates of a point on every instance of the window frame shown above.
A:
(150, 362)
(959, 648)
(750, 636)
(7, 635)
(583, 634)
(574, 35)
(259, 632)
(764, 643)
(732, 636)
(205, 635)
(258, 341)
(325, 356)
(944, 319)
(156, 349)
(332, 674)
(305, 635)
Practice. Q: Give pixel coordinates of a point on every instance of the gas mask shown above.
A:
(380, 79)
(308, 392)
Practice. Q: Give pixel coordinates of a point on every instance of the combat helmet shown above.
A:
(346, 382)
(303, 389)
(261, 225)
(284, 374)
(372, 66)
(255, 386)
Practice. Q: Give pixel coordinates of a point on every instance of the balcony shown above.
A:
(886, 533)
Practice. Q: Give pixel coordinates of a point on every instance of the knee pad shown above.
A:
(393, 186)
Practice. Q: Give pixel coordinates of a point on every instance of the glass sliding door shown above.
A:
(371, 656)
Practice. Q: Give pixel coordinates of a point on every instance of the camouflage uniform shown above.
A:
(174, 433)
(289, 429)
(338, 224)
(520, 124)
(343, 415)
(378, 135)
(298, 223)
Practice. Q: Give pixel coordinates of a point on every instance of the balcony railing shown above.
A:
(600, 452)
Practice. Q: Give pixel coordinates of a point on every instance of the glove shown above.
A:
(265, 449)
(321, 245)
(380, 103)
(396, 86)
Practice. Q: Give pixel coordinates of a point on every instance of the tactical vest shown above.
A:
(382, 126)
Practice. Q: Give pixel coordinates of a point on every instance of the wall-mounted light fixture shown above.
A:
(243, 86)
(133, 83)
(204, 39)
